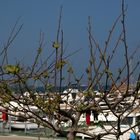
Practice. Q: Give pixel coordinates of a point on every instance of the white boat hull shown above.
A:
(23, 125)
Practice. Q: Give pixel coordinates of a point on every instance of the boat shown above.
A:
(19, 125)
(128, 125)
(16, 119)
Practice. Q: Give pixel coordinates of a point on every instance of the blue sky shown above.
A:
(42, 15)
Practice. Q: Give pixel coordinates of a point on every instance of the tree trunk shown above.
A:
(71, 136)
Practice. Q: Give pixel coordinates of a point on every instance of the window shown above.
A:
(127, 121)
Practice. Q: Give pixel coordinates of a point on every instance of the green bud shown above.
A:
(12, 68)
(55, 45)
